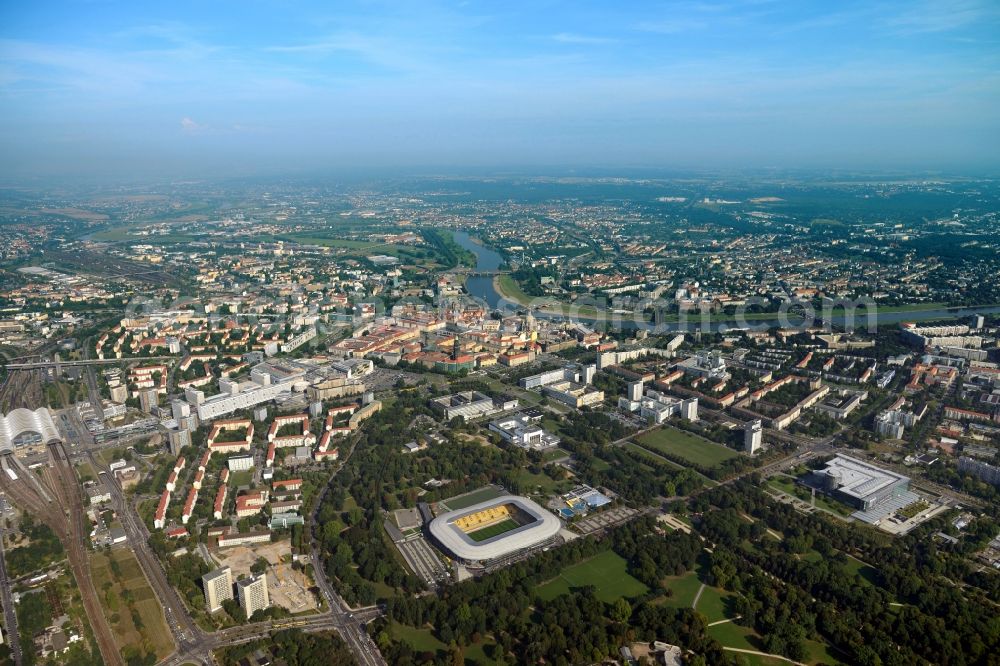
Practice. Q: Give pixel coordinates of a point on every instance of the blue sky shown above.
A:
(196, 88)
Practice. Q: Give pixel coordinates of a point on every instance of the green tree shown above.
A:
(621, 611)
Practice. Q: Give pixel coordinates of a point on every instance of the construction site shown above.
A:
(287, 587)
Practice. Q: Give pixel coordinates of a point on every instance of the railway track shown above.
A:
(17, 390)
(67, 490)
(54, 481)
(63, 513)
(5, 389)
(26, 496)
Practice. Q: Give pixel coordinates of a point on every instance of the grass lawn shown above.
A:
(383, 590)
(649, 455)
(788, 486)
(734, 635)
(551, 424)
(646, 454)
(684, 588)
(606, 572)
(913, 307)
(85, 471)
(114, 234)
(310, 238)
(507, 287)
(404, 253)
(237, 479)
(554, 454)
(421, 640)
(600, 465)
(511, 290)
(820, 653)
(474, 497)
(760, 660)
(868, 573)
(712, 603)
(153, 634)
(476, 655)
(532, 483)
(684, 445)
(524, 396)
(695, 317)
(493, 530)
(106, 456)
(782, 483)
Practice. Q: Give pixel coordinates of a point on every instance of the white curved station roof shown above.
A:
(545, 526)
(21, 421)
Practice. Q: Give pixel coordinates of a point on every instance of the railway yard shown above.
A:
(55, 500)
(21, 388)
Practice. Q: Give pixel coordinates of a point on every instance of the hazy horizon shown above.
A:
(113, 90)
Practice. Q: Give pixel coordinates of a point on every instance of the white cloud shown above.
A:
(929, 17)
(390, 53)
(672, 26)
(573, 38)
(189, 126)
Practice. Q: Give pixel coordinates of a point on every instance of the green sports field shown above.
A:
(696, 450)
(493, 530)
(470, 498)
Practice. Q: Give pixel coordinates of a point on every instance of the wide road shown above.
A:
(185, 632)
(244, 633)
(364, 650)
(93, 390)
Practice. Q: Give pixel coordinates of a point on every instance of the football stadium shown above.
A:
(494, 531)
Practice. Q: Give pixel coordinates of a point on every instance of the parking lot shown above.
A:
(384, 379)
(424, 561)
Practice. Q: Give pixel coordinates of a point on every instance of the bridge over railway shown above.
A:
(41, 365)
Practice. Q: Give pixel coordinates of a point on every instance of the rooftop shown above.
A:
(860, 479)
(544, 526)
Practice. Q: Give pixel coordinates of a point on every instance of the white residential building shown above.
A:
(252, 593)
(218, 586)
(753, 436)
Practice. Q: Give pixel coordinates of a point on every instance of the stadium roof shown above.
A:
(545, 526)
(21, 421)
